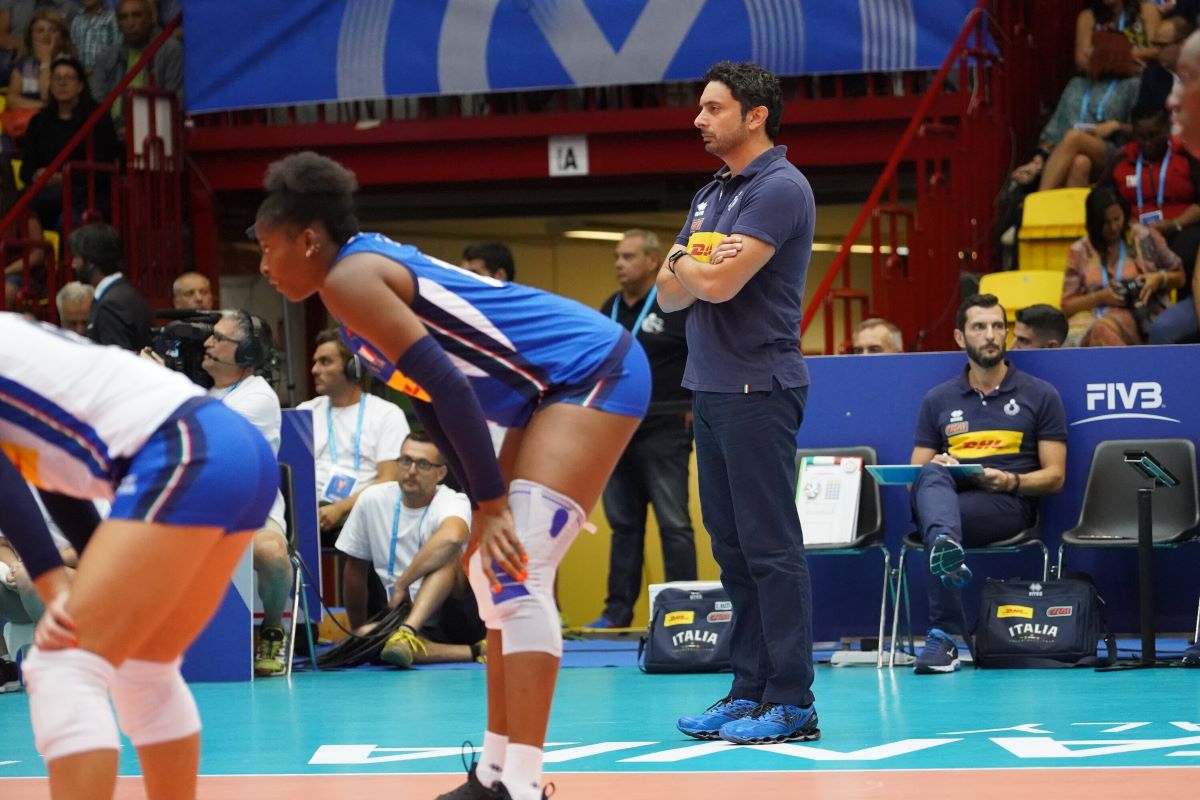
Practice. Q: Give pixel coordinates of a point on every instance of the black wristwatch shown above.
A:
(671, 259)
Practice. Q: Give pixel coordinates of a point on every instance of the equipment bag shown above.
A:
(689, 632)
(1047, 624)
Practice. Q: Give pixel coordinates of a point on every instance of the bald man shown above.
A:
(192, 290)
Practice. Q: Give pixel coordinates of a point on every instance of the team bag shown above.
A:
(689, 632)
(1029, 624)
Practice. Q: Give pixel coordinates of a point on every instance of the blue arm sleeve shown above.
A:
(22, 523)
(429, 421)
(458, 416)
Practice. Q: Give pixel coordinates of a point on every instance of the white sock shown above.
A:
(490, 766)
(523, 772)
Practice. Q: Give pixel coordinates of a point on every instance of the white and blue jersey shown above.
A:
(99, 422)
(518, 346)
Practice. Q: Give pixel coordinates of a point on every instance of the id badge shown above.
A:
(340, 486)
(1151, 217)
(1131, 181)
(1088, 127)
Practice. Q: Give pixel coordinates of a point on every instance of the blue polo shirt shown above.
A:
(742, 344)
(1000, 430)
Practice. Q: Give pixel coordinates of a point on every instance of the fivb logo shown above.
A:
(1124, 401)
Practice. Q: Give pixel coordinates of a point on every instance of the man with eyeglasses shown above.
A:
(1159, 75)
(409, 536)
(237, 348)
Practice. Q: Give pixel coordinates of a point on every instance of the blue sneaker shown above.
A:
(772, 723)
(1191, 656)
(947, 560)
(603, 622)
(939, 655)
(708, 725)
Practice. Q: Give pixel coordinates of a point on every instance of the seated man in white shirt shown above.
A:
(356, 436)
(238, 347)
(410, 536)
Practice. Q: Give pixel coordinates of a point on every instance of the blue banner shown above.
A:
(279, 52)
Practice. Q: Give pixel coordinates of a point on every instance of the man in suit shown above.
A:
(119, 312)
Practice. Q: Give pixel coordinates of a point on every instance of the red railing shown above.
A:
(20, 209)
(886, 177)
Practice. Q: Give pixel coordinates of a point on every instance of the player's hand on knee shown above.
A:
(56, 629)
(498, 543)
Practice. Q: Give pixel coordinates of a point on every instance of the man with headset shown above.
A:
(238, 348)
(356, 436)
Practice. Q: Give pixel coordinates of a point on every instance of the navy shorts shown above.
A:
(206, 466)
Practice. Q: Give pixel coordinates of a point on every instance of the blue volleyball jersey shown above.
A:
(514, 343)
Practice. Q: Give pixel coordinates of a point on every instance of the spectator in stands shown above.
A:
(119, 312)
(1118, 277)
(876, 336)
(139, 26)
(408, 537)
(46, 38)
(489, 258)
(74, 302)
(1039, 327)
(356, 435)
(1159, 76)
(192, 290)
(1137, 20)
(33, 257)
(653, 470)
(236, 350)
(51, 130)
(94, 30)
(1010, 423)
(1159, 183)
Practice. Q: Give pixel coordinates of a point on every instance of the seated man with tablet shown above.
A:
(1011, 426)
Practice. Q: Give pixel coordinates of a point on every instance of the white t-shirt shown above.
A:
(368, 533)
(255, 400)
(384, 428)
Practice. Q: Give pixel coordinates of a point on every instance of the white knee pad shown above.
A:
(153, 702)
(68, 702)
(547, 523)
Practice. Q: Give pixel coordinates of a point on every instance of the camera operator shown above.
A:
(1118, 277)
(239, 347)
(179, 343)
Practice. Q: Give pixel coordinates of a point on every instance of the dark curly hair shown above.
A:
(751, 86)
(306, 187)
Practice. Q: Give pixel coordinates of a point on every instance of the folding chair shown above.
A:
(299, 596)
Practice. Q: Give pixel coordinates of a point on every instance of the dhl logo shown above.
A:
(674, 618)
(701, 245)
(980, 444)
(401, 383)
(1014, 611)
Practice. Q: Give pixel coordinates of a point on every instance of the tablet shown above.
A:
(890, 474)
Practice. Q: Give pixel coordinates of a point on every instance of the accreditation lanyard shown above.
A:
(333, 456)
(641, 317)
(230, 390)
(396, 534)
(1100, 108)
(1104, 274)
(1162, 178)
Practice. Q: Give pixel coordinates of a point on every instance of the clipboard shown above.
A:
(902, 474)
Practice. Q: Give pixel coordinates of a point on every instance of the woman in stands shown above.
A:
(68, 108)
(1118, 277)
(1136, 20)
(81, 421)
(46, 39)
(570, 383)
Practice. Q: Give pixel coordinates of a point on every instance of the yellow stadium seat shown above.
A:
(1050, 222)
(16, 168)
(53, 238)
(1023, 288)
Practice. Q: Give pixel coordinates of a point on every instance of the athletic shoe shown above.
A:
(268, 655)
(502, 791)
(939, 655)
(472, 790)
(603, 622)
(1191, 656)
(10, 680)
(402, 647)
(770, 723)
(947, 561)
(708, 725)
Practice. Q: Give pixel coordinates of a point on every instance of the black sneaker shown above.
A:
(10, 678)
(502, 791)
(473, 789)
(1191, 656)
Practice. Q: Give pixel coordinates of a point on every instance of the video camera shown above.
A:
(180, 341)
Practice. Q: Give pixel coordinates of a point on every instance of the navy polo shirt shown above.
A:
(1000, 430)
(743, 344)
